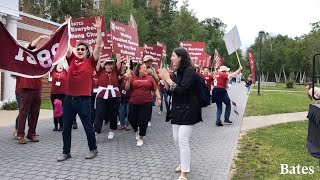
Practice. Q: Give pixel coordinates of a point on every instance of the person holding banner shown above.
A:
(82, 62)
(108, 94)
(125, 97)
(141, 100)
(30, 101)
(220, 94)
(186, 110)
(58, 91)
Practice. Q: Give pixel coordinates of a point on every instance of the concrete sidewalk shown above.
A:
(254, 122)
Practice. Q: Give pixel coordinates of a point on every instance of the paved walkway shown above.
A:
(212, 149)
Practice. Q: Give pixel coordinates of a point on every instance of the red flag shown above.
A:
(252, 68)
(23, 62)
(217, 60)
(132, 22)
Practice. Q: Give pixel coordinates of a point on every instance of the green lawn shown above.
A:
(46, 104)
(281, 86)
(263, 150)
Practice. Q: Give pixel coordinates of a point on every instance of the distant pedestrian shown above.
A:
(248, 84)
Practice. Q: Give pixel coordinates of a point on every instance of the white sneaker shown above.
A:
(137, 135)
(139, 142)
(110, 136)
(160, 112)
(149, 124)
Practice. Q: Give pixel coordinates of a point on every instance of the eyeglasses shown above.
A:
(81, 49)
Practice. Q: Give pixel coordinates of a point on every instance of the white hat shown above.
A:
(223, 68)
(147, 58)
(103, 62)
(86, 44)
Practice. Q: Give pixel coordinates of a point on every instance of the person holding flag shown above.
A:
(220, 94)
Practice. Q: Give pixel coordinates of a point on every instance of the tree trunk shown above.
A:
(284, 74)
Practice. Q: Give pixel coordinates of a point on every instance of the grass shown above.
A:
(263, 150)
(281, 86)
(46, 104)
(276, 102)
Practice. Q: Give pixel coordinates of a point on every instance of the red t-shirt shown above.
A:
(59, 82)
(30, 83)
(141, 88)
(18, 89)
(209, 80)
(80, 76)
(124, 93)
(222, 80)
(95, 82)
(106, 79)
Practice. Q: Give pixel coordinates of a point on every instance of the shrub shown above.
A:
(289, 84)
(11, 105)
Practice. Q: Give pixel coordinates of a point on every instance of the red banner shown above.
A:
(32, 64)
(252, 68)
(164, 49)
(124, 39)
(139, 56)
(82, 29)
(217, 60)
(197, 50)
(106, 53)
(154, 51)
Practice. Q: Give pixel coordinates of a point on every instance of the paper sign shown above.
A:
(155, 52)
(124, 39)
(197, 50)
(232, 40)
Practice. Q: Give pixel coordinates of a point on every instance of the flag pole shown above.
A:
(237, 53)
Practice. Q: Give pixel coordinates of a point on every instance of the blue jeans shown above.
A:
(223, 97)
(124, 112)
(164, 97)
(80, 105)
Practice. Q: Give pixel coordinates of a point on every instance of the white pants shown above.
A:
(181, 136)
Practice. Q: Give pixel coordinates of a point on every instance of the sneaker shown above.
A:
(64, 157)
(127, 128)
(15, 137)
(160, 112)
(110, 136)
(92, 154)
(139, 142)
(137, 135)
(55, 128)
(228, 121)
(75, 125)
(98, 136)
(219, 124)
(149, 124)
(60, 128)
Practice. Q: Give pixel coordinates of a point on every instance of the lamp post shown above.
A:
(259, 65)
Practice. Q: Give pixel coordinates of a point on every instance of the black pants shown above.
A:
(61, 98)
(139, 116)
(106, 109)
(93, 113)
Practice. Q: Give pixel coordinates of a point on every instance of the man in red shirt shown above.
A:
(220, 94)
(30, 101)
(78, 96)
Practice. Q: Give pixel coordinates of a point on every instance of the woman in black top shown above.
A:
(186, 110)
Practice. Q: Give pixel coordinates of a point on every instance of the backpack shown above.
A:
(57, 111)
(204, 93)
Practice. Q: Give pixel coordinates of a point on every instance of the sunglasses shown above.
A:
(81, 49)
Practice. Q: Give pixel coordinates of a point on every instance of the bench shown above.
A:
(270, 84)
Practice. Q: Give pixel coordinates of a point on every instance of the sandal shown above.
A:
(182, 178)
(21, 140)
(177, 169)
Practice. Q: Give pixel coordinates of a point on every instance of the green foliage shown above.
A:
(263, 150)
(289, 83)
(46, 104)
(11, 105)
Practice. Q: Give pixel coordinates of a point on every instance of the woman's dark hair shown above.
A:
(137, 68)
(185, 58)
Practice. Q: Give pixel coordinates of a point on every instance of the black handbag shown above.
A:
(169, 115)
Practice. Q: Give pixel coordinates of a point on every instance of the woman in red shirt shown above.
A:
(108, 95)
(140, 104)
(58, 91)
